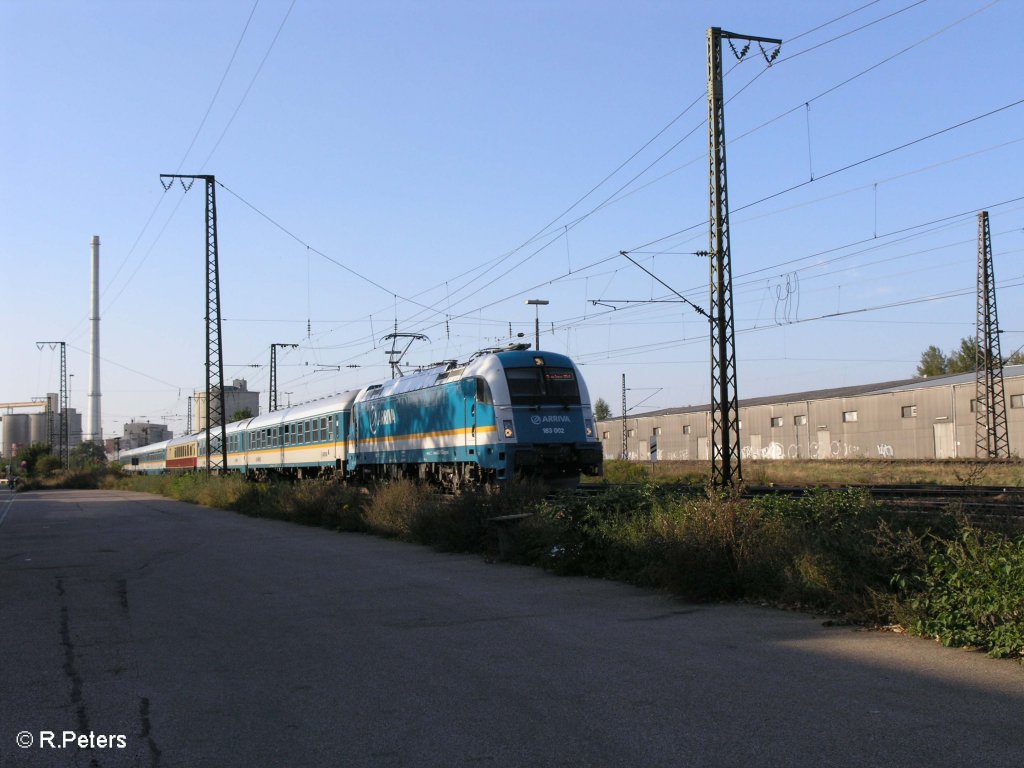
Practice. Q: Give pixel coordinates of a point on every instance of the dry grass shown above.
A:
(829, 473)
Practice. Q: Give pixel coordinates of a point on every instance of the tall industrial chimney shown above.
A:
(94, 428)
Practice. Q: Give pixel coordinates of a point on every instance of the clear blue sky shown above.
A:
(430, 163)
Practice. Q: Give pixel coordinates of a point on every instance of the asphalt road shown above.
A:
(194, 637)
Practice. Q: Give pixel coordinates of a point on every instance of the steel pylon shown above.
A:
(991, 438)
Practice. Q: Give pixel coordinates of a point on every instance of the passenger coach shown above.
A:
(148, 460)
(302, 441)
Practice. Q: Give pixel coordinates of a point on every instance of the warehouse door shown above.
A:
(824, 449)
(702, 449)
(945, 444)
(755, 447)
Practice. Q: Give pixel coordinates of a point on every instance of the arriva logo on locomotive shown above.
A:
(385, 417)
(537, 419)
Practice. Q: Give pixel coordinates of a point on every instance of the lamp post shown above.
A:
(537, 304)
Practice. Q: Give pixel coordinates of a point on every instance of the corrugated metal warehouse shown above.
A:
(930, 418)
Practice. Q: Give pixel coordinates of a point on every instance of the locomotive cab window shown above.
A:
(543, 386)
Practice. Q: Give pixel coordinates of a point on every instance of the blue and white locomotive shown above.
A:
(505, 413)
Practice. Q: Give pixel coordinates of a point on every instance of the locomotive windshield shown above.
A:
(542, 385)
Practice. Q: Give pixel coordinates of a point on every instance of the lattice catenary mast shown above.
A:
(625, 445)
(62, 445)
(216, 455)
(991, 438)
(725, 433)
(273, 372)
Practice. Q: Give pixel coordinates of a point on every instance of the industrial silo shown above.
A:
(39, 427)
(17, 432)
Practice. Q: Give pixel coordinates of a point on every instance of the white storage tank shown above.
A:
(17, 432)
(39, 427)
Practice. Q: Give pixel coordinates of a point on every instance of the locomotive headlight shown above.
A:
(509, 432)
(590, 427)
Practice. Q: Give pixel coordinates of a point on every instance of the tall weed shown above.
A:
(393, 505)
(468, 522)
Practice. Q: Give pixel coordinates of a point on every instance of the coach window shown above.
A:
(1017, 401)
(909, 411)
(776, 421)
(849, 416)
(605, 435)
(799, 421)
(686, 429)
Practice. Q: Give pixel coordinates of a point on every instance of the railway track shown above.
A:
(1008, 499)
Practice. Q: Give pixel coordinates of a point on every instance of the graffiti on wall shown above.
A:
(836, 449)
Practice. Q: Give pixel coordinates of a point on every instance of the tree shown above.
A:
(961, 360)
(602, 410)
(933, 362)
(241, 414)
(88, 454)
(964, 359)
(27, 459)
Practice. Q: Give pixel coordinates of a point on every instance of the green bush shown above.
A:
(972, 593)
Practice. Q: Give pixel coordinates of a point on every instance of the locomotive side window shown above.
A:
(483, 392)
